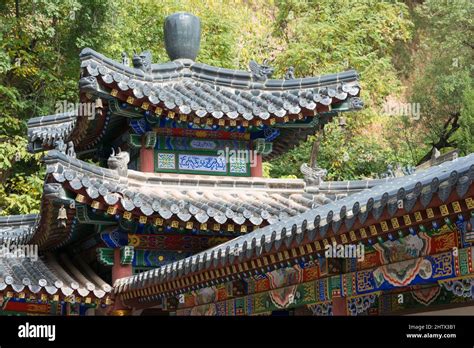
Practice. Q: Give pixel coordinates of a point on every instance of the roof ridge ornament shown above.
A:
(313, 176)
(142, 61)
(182, 33)
(290, 73)
(119, 161)
(261, 72)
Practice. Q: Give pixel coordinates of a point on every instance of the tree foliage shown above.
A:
(330, 36)
(440, 77)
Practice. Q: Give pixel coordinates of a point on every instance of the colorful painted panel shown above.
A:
(173, 242)
(363, 305)
(420, 299)
(202, 163)
(154, 258)
(202, 296)
(238, 165)
(436, 240)
(166, 161)
(416, 271)
(288, 297)
(282, 277)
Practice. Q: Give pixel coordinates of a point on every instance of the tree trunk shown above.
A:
(449, 127)
(313, 160)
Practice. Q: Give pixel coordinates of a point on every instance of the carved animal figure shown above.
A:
(261, 71)
(70, 150)
(119, 161)
(314, 176)
(142, 61)
(60, 146)
(290, 73)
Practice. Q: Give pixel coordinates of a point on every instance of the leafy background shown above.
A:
(407, 51)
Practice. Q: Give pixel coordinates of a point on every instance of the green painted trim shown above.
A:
(117, 110)
(126, 255)
(135, 141)
(84, 215)
(105, 256)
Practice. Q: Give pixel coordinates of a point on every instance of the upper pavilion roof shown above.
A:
(188, 91)
(191, 88)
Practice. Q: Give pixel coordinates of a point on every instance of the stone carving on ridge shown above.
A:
(67, 149)
(290, 73)
(125, 60)
(142, 61)
(261, 72)
(60, 146)
(313, 176)
(70, 150)
(119, 161)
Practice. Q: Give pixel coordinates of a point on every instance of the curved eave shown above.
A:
(44, 131)
(198, 198)
(84, 132)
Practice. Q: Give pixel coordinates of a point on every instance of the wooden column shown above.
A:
(339, 306)
(147, 160)
(256, 168)
(119, 271)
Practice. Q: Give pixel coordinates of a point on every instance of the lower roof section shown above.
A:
(50, 274)
(184, 199)
(316, 224)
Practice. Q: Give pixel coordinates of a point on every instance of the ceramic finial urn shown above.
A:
(182, 35)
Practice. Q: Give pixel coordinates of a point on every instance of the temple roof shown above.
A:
(209, 199)
(188, 91)
(321, 221)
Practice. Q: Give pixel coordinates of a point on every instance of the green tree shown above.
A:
(441, 81)
(330, 36)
